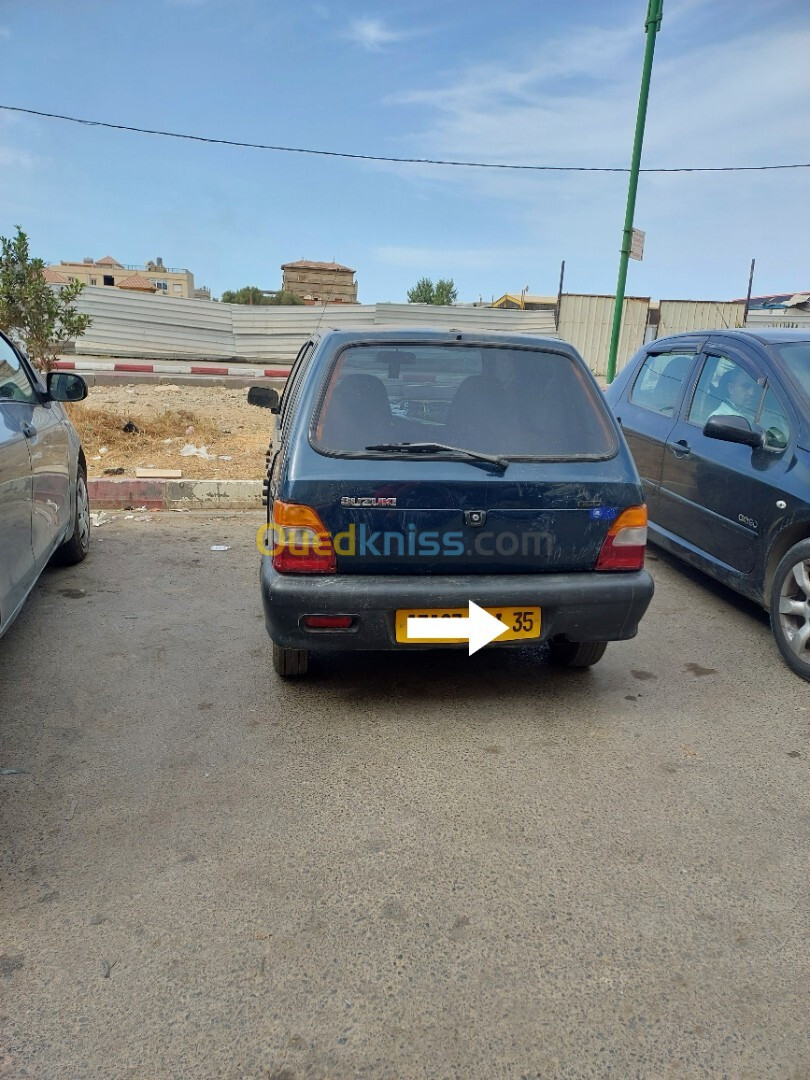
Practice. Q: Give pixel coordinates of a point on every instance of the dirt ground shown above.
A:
(169, 418)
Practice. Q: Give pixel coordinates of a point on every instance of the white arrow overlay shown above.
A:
(479, 627)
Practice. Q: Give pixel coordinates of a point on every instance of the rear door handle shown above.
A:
(28, 430)
(681, 448)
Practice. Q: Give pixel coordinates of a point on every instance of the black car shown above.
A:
(719, 425)
(502, 490)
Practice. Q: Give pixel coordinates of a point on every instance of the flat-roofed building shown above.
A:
(165, 280)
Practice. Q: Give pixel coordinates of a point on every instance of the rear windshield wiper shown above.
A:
(440, 448)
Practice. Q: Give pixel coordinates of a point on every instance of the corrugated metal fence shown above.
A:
(126, 324)
(586, 321)
(790, 318)
(132, 325)
(681, 316)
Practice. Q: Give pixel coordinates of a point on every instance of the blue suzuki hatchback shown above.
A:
(416, 472)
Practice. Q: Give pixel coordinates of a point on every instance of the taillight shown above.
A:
(301, 543)
(626, 542)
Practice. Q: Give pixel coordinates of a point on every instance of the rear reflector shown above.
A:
(626, 543)
(327, 622)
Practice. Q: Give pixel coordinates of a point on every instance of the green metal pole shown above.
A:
(652, 26)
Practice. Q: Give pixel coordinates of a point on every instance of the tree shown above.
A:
(423, 292)
(284, 297)
(252, 294)
(42, 318)
(444, 292)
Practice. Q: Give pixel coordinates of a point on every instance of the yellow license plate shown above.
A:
(522, 623)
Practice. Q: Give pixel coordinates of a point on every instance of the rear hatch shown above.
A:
(536, 521)
(486, 459)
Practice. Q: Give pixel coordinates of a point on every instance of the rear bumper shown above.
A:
(580, 607)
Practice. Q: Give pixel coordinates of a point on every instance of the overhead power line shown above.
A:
(395, 160)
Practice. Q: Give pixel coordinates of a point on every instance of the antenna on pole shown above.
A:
(748, 295)
(558, 309)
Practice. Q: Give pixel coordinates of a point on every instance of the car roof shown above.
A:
(767, 335)
(434, 336)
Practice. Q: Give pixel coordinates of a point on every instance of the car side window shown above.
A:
(774, 421)
(291, 389)
(725, 388)
(15, 384)
(659, 382)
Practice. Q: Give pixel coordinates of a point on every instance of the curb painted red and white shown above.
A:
(172, 368)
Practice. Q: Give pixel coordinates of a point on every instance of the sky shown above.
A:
(521, 82)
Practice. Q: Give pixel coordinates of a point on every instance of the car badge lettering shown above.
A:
(366, 500)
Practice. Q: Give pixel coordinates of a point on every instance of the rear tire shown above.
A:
(76, 547)
(290, 663)
(790, 608)
(576, 654)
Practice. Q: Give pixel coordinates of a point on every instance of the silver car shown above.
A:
(44, 509)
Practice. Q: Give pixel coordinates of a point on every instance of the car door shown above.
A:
(648, 409)
(17, 571)
(42, 426)
(717, 496)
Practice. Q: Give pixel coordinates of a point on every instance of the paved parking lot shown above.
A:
(426, 865)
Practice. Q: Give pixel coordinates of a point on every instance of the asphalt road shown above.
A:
(406, 866)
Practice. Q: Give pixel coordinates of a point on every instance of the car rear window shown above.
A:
(796, 358)
(514, 402)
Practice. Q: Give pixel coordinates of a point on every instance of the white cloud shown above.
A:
(4, 33)
(373, 35)
(16, 159)
(572, 101)
(575, 104)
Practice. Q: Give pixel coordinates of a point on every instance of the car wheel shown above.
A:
(576, 654)
(76, 547)
(790, 608)
(288, 663)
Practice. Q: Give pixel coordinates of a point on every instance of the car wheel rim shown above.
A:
(794, 610)
(82, 512)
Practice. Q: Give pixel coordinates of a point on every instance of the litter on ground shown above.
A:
(190, 450)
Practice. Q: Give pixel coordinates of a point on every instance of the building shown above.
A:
(524, 302)
(153, 277)
(319, 282)
(780, 309)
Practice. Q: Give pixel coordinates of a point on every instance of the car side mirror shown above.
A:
(65, 386)
(734, 429)
(264, 397)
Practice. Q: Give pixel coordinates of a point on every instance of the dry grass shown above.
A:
(104, 427)
(161, 434)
